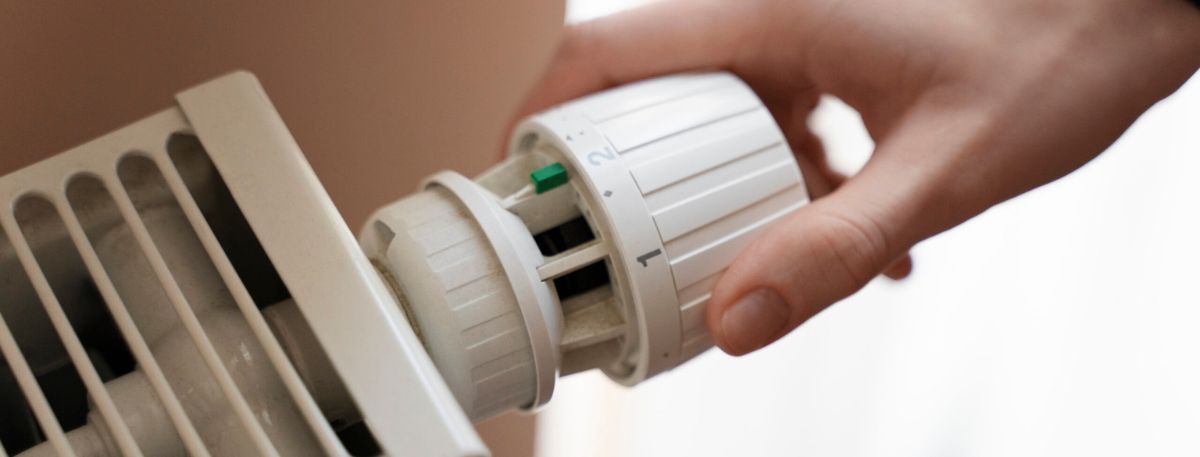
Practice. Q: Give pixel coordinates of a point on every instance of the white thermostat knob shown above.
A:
(677, 174)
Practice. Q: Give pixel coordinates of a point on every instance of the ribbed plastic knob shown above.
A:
(679, 174)
(456, 292)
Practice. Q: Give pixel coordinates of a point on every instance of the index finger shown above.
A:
(665, 37)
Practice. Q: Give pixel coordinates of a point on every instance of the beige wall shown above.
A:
(378, 94)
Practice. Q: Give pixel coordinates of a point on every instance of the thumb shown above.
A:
(820, 254)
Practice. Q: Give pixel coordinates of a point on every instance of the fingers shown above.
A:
(662, 38)
(824, 252)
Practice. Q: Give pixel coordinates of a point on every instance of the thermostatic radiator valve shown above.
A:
(594, 245)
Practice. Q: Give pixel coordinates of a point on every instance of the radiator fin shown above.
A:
(63, 233)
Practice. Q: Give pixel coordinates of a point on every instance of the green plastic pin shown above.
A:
(548, 177)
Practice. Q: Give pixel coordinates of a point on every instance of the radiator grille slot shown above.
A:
(37, 421)
(229, 226)
(93, 346)
(122, 278)
(246, 256)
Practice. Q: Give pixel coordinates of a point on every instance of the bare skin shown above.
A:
(970, 103)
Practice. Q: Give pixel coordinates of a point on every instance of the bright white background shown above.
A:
(1063, 323)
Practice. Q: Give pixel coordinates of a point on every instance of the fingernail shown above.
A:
(754, 321)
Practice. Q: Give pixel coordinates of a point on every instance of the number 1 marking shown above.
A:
(647, 256)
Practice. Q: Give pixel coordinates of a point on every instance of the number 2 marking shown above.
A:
(597, 158)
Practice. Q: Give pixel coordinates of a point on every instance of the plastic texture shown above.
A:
(464, 283)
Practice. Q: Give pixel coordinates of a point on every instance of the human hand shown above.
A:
(970, 103)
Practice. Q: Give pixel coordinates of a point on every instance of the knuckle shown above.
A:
(854, 243)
